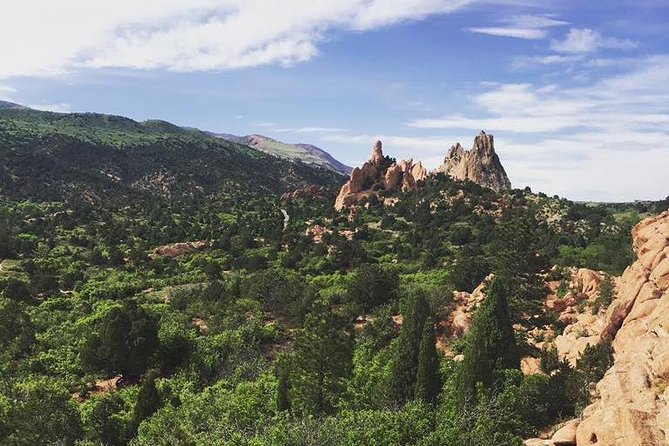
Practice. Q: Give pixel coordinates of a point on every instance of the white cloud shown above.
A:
(6, 92)
(586, 40)
(612, 133)
(310, 130)
(551, 59)
(529, 27)
(186, 35)
(519, 33)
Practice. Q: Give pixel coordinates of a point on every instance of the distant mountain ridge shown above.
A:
(5, 105)
(95, 157)
(307, 153)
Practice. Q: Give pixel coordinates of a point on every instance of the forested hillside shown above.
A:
(250, 328)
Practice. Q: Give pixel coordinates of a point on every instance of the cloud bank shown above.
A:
(613, 131)
(185, 35)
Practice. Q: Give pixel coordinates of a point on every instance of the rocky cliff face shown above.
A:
(375, 176)
(632, 405)
(480, 164)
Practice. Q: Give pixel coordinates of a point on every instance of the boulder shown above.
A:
(178, 249)
(566, 435)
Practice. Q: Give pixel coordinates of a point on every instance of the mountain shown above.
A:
(306, 153)
(480, 164)
(54, 156)
(10, 105)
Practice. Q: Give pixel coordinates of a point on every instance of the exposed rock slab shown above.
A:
(632, 408)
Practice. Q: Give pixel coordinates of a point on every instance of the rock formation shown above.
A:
(632, 404)
(178, 249)
(480, 164)
(375, 175)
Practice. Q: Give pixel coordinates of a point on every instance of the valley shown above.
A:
(162, 285)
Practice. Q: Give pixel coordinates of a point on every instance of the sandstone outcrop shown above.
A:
(376, 175)
(480, 165)
(575, 309)
(632, 404)
(178, 249)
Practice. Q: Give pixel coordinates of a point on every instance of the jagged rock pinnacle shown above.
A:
(480, 164)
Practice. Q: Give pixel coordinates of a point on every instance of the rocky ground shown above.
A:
(631, 402)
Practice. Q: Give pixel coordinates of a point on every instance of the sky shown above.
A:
(575, 92)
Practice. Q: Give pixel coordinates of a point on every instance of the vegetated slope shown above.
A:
(306, 153)
(10, 105)
(51, 156)
(319, 332)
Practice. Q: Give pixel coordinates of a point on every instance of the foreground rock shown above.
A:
(575, 309)
(480, 165)
(632, 407)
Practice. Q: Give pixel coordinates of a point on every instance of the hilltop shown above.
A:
(306, 153)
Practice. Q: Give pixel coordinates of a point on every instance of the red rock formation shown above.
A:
(178, 249)
(312, 191)
(480, 164)
(374, 176)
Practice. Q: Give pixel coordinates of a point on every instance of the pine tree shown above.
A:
(428, 380)
(405, 361)
(148, 400)
(523, 247)
(323, 357)
(491, 344)
(127, 339)
(283, 389)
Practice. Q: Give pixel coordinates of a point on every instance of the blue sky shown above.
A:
(575, 92)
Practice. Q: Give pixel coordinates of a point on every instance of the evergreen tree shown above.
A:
(373, 286)
(125, 342)
(522, 248)
(323, 357)
(428, 380)
(106, 425)
(283, 389)
(405, 361)
(491, 344)
(148, 400)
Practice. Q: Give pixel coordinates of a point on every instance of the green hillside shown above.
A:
(321, 331)
(101, 156)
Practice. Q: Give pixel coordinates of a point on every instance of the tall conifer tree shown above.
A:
(491, 344)
(428, 381)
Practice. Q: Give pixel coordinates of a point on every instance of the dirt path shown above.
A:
(286, 219)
